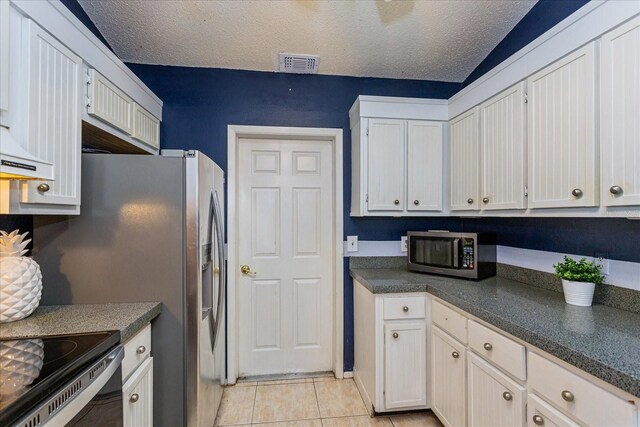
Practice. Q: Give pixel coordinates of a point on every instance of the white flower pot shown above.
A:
(578, 293)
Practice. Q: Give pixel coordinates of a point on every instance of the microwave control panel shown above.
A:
(468, 255)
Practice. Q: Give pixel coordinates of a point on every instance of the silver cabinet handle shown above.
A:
(405, 308)
(141, 349)
(470, 201)
(485, 200)
(577, 193)
(416, 202)
(487, 346)
(615, 190)
(396, 202)
(395, 335)
(455, 354)
(538, 420)
(43, 188)
(567, 395)
(507, 396)
(134, 398)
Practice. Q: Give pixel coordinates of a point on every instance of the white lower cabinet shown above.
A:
(494, 399)
(449, 379)
(137, 395)
(405, 359)
(540, 413)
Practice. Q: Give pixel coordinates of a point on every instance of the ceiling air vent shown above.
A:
(299, 64)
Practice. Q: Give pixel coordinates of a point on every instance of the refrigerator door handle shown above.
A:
(221, 268)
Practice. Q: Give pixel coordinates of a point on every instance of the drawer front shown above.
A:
(404, 308)
(449, 320)
(578, 396)
(541, 413)
(505, 353)
(136, 350)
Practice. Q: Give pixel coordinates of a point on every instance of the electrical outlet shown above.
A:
(602, 259)
(403, 244)
(352, 243)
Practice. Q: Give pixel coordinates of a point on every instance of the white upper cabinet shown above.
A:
(108, 103)
(465, 161)
(424, 166)
(397, 156)
(561, 133)
(503, 150)
(620, 115)
(386, 157)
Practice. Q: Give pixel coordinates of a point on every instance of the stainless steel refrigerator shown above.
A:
(151, 229)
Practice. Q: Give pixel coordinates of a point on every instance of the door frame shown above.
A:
(234, 133)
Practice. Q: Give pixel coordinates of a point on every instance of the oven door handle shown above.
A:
(91, 383)
(456, 253)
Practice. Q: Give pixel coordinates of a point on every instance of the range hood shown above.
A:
(17, 163)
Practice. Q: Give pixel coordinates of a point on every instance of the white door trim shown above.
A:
(234, 133)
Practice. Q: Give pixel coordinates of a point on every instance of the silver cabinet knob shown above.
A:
(134, 398)
(396, 202)
(485, 200)
(405, 308)
(487, 346)
(538, 420)
(507, 396)
(577, 193)
(615, 190)
(141, 349)
(395, 335)
(567, 395)
(416, 202)
(470, 201)
(455, 354)
(43, 188)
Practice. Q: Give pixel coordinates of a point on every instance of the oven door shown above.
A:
(93, 398)
(434, 251)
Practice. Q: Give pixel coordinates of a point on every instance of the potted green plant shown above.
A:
(579, 280)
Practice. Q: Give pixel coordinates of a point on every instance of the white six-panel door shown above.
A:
(503, 150)
(561, 133)
(620, 115)
(385, 172)
(465, 161)
(285, 237)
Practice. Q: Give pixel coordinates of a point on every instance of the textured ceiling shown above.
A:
(430, 40)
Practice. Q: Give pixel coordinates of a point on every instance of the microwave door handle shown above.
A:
(456, 253)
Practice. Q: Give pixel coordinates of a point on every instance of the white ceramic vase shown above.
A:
(20, 287)
(578, 293)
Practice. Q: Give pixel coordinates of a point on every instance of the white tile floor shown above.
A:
(306, 402)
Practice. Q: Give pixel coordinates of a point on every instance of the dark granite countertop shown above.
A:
(128, 318)
(601, 340)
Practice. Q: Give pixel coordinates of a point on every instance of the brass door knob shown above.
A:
(245, 269)
(567, 395)
(43, 188)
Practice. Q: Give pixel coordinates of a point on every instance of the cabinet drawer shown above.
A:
(577, 396)
(503, 352)
(449, 320)
(539, 410)
(136, 350)
(404, 308)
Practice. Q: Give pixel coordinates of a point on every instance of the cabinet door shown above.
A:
(540, 413)
(561, 133)
(137, 395)
(494, 399)
(619, 115)
(503, 148)
(108, 103)
(405, 365)
(54, 119)
(386, 165)
(424, 166)
(449, 386)
(465, 161)
(4, 55)
(146, 128)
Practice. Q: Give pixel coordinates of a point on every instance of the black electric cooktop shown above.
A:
(31, 369)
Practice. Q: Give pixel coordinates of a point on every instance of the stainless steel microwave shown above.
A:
(467, 255)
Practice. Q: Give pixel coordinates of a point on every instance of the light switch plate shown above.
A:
(403, 244)
(352, 243)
